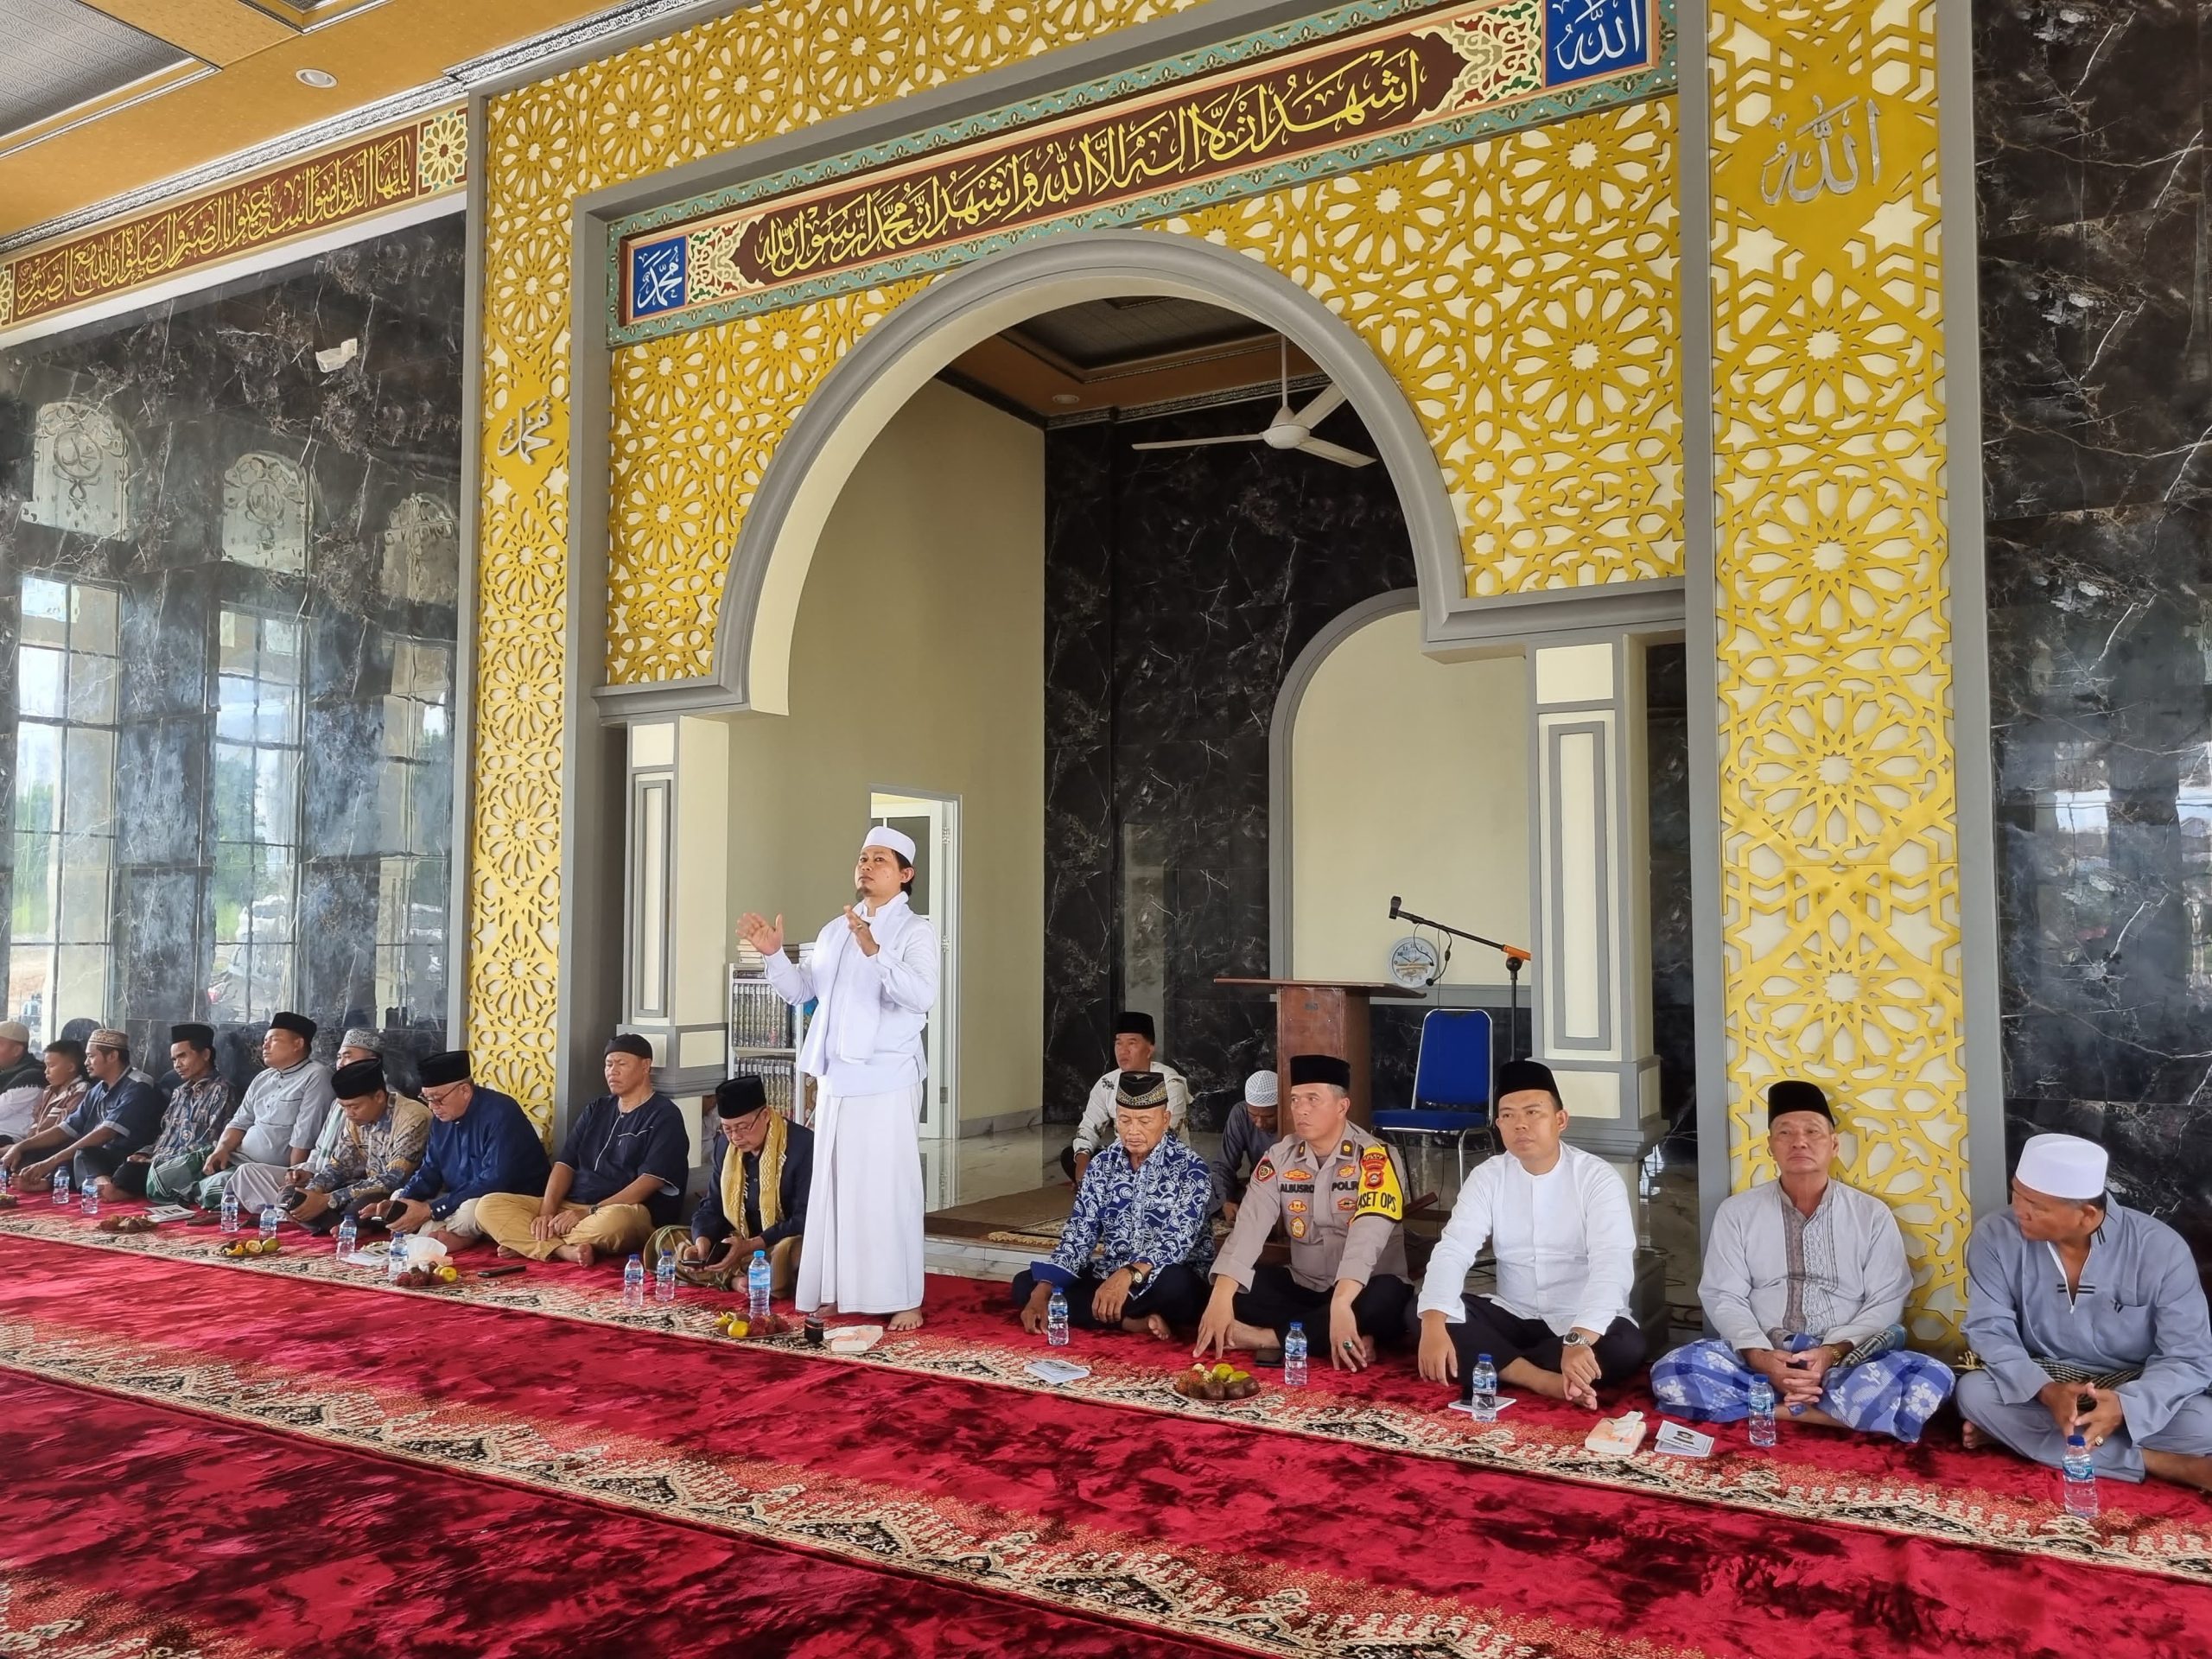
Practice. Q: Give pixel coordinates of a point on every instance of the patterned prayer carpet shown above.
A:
(920, 1465)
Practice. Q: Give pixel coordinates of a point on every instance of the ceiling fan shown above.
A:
(1286, 430)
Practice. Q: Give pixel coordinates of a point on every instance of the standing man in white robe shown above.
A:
(873, 978)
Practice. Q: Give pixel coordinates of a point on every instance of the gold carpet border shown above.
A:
(1254, 1604)
(58, 1619)
(1795, 1490)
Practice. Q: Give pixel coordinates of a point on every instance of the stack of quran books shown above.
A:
(766, 1031)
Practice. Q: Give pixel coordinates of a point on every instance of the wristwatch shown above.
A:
(1574, 1339)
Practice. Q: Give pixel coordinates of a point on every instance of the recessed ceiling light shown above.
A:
(320, 79)
(1066, 399)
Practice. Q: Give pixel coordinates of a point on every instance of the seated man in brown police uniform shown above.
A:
(1337, 1190)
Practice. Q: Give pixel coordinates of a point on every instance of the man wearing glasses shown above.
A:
(480, 1141)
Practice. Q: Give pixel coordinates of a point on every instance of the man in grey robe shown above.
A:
(2087, 1318)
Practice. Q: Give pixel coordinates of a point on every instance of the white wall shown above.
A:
(918, 666)
(1407, 776)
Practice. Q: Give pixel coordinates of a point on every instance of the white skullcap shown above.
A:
(897, 840)
(1260, 1089)
(2063, 1167)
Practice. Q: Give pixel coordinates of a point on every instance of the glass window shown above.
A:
(415, 812)
(59, 955)
(261, 673)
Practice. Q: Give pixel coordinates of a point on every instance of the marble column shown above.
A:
(2096, 379)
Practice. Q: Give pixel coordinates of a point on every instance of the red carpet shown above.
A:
(1209, 1528)
(163, 1529)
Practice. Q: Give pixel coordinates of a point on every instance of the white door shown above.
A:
(933, 822)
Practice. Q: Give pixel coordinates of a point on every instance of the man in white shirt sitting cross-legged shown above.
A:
(1559, 1220)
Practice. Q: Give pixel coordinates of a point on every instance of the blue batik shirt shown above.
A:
(1160, 1213)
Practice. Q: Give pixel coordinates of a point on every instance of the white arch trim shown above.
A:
(898, 355)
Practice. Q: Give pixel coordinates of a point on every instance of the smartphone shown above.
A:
(498, 1271)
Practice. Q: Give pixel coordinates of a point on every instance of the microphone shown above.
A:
(1394, 906)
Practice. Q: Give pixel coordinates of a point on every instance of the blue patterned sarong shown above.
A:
(1894, 1393)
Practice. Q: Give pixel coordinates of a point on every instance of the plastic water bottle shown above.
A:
(230, 1213)
(272, 1219)
(2081, 1467)
(1294, 1356)
(60, 1188)
(1056, 1319)
(349, 1235)
(757, 1278)
(91, 1200)
(1761, 1412)
(633, 1282)
(395, 1261)
(1482, 1389)
(664, 1278)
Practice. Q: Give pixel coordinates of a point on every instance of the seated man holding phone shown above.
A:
(480, 1143)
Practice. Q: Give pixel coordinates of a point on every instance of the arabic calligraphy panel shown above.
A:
(265, 512)
(1426, 81)
(80, 471)
(383, 170)
(1587, 38)
(1840, 922)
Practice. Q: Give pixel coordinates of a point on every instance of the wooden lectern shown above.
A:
(1315, 1016)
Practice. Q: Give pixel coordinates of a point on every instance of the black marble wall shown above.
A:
(1180, 585)
(2096, 361)
(195, 384)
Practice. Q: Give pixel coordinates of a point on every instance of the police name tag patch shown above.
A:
(1379, 1193)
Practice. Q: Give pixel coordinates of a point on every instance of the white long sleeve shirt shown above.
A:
(1565, 1243)
(1772, 1273)
(866, 1036)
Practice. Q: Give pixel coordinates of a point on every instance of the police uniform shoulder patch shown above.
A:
(1379, 1193)
(1264, 1170)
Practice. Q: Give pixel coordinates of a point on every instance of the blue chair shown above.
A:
(1452, 1080)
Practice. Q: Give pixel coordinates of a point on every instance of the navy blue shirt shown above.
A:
(608, 1148)
(131, 1107)
(491, 1147)
(709, 1221)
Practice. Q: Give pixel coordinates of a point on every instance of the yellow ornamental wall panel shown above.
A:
(1523, 291)
(1838, 798)
(751, 75)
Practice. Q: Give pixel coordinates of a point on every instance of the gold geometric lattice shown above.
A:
(1838, 804)
(1523, 291)
(697, 416)
(750, 75)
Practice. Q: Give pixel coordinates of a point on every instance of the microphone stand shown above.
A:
(1514, 955)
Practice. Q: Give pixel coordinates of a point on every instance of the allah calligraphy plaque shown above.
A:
(1337, 90)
